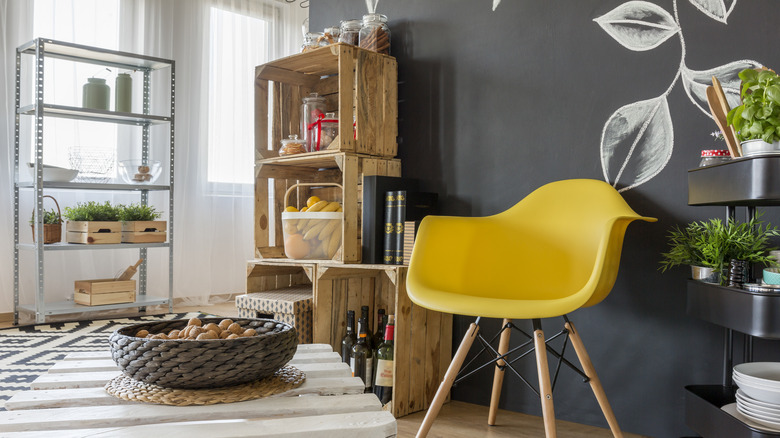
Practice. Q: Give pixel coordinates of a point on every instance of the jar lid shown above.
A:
(292, 138)
(313, 97)
(352, 24)
(715, 153)
(374, 18)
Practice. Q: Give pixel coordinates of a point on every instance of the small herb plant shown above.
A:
(759, 115)
(92, 211)
(138, 212)
(50, 217)
(713, 244)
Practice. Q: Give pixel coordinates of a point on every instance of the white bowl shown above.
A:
(758, 403)
(758, 392)
(758, 418)
(765, 373)
(54, 173)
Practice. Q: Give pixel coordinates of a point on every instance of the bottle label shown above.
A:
(369, 372)
(352, 365)
(384, 372)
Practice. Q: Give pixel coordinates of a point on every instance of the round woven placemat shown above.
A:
(127, 388)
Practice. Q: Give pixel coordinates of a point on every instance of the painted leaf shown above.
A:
(495, 4)
(638, 25)
(637, 142)
(696, 82)
(715, 9)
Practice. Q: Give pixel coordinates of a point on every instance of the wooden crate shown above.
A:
(335, 167)
(104, 291)
(144, 231)
(423, 338)
(292, 305)
(93, 232)
(360, 85)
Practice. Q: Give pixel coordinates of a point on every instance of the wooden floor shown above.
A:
(456, 419)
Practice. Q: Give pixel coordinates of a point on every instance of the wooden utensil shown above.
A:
(720, 119)
(724, 107)
(130, 271)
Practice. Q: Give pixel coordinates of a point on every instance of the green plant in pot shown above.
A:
(139, 224)
(93, 223)
(713, 244)
(757, 120)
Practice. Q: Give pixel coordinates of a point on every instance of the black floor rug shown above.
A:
(26, 352)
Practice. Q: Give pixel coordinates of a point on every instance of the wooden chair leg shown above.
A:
(545, 387)
(498, 374)
(595, 383)
(449, 377)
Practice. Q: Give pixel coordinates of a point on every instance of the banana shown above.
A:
(314, 231)
(333, 245)
(332, 206)
(339, 209)
(318, 206)
(328, 230)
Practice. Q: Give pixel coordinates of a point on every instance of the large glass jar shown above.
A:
(312, 110)
(350, 32)
(375, 34)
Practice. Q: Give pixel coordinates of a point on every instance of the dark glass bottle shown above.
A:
(362, 361)
(349, 339)
(369, 335)
(381, 322)
(383, 384)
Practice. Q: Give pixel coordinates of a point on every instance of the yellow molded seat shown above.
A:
(555, 251)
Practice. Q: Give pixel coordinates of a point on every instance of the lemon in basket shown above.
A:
(311, 201)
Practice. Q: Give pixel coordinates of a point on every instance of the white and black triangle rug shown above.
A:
(26, 352)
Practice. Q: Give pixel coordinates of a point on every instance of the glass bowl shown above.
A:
(135, 172)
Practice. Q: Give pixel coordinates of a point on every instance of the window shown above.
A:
(237, 43)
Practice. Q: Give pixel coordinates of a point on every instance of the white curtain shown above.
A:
(213, 206)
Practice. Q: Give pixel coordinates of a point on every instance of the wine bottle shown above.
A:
(349, 339)
(381, 322)
(361, 361)
(369, 335)
(383, 385)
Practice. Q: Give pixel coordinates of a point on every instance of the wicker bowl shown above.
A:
(210, 363)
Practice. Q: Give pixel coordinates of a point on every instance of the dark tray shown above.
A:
(751, 181)
(703, 414)
(752, 313)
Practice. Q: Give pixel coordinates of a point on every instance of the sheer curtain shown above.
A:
(215, 44)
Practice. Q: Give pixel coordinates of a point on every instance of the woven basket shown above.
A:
(211, 363)
(52, 233)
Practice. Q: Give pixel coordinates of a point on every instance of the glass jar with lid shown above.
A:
(312, 110)
(714, 156)
(328, 131)
(350, 32)
(292, 145)
(331, 35)
(311, 40)
(375, 34)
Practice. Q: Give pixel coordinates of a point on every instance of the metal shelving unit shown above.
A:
(743, 182)
(41, 48)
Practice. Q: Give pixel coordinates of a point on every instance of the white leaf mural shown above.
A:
(636, 142)
(715, 9)
(639, 25)
(696, 82)
(495, 4)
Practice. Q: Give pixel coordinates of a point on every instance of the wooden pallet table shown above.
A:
(69, 401)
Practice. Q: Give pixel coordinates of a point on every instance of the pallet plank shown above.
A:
(135, 414)
(353, 425)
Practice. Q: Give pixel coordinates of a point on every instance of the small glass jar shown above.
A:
(331, 35)
(375, 34)
(311, 41)
(714, 156)
(312, 110)
(329, 130)
(292, 145)
(350, 32)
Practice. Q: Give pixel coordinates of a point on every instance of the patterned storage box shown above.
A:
(292, 305)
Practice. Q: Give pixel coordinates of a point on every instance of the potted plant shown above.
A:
(52, 224)
(757, 120)
(93, 223)
(712, 245)
(139, 224)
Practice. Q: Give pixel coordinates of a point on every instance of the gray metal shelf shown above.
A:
(65, 307)
(41, 48)
(93, 115)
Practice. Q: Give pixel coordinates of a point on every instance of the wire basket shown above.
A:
(96, 165)
(52, 233)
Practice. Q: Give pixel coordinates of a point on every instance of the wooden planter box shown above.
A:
(93, 232)
(104, 291)
(360, 85)
(345, 169)
(144, 231)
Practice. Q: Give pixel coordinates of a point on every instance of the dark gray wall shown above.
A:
(495, 104)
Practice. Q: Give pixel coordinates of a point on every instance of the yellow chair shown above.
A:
(554, 252)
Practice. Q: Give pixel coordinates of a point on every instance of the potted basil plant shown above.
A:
(708, 247)
(757, 120)
(92, 223)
